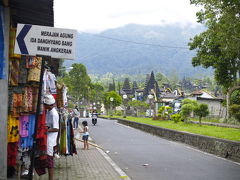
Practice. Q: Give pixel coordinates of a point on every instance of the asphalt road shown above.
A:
(143, 156)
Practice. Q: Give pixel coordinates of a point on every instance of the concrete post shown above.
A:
(4, 100)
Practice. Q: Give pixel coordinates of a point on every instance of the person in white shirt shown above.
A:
(52, 122)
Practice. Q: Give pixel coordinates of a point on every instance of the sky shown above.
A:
(98, 15)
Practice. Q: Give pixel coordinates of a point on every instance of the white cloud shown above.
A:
(98, 15)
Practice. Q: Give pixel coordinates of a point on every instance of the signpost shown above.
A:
(45, 42)
(48, 41)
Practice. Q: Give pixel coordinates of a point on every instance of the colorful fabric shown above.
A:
(24, 125)
(42, 133)
(27, 142)
(12, 154)
(22, 71)
(34, 73)
(34, 98)
(13, 129)
(14, 72)
(30, 99)
(63, 138)
(25, 100)
(17, 99)
(31, 61)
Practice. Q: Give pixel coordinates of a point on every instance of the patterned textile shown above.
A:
(63, 137)
(60, 102)
(17, 104)
(34, 73)
(14, 105)
(34, 98)
(27, 142)
(13, 129)
(24, 125)
(30, 99)
(23, 71)
(14, 72)
(25, 100)
(31, 61)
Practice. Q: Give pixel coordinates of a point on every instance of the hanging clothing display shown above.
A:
(66, 141)
(24, 83)
(24, 86)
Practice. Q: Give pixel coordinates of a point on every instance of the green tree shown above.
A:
(218, 46)
(140, 106)
(161, 78)
(176, 118)
(201, 110)
(189, 101)
(96, 92)
(78, 82)
(186, 111)
(164, 112)
(235, 97)
(117, 100)
(235, 111)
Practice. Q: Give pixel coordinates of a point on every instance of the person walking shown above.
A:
(52, 122)
(85, 135)
(76, 117)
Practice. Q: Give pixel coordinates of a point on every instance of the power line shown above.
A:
(134, 42)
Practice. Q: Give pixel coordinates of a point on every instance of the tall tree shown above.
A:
(78, 81)
(219, 45)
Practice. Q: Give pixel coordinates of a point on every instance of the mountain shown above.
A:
(139, 49)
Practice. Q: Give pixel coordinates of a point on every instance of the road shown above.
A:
(143, 156)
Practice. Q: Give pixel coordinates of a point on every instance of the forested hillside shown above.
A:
(138, 49)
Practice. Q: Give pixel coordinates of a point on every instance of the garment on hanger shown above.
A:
(13, 129)
(34, 73)
(24, 125)
(14, 72)
(22, 71)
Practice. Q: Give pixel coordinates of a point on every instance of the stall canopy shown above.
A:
(38, 12)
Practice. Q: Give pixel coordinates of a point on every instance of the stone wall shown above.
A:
(220, 147)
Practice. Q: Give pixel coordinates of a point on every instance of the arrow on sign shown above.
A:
(20, 38)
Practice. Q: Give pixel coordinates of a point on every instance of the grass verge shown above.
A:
(213, 131)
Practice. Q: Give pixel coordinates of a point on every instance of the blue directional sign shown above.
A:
(42, 40)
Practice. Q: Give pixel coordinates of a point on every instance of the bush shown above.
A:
(201, 110)
(176, 118)
(235, 111)
(118, 113)
(164, 112)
